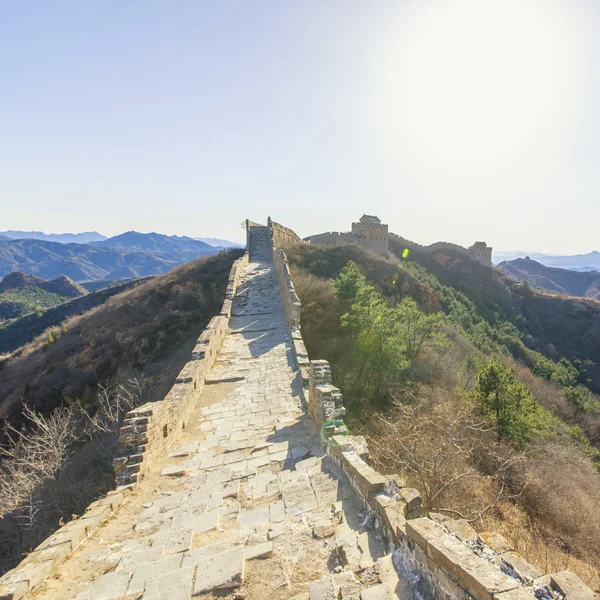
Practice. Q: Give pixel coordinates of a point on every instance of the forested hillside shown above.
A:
(466, 385)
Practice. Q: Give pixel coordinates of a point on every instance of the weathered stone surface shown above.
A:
(498, 543)
(13, 591)
(481, 579)
(412, 498)
(569, 585)
(173, 541)
(519, 567)
(144, 573)
(111, 586)
(520, 593)
(253, 517)
(176, 585)
(323, 589)
(377, 592)
(420, 530)
(222, 571)
(263, 550)
(173, 471)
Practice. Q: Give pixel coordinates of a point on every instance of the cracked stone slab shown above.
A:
(111, 586)
(222, 571)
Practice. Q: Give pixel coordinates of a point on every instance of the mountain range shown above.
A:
(64, 238)
(576, 262)
(585, 284)
(124, 256)
(88, 237)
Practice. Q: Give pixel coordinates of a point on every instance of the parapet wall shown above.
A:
(147, 431)
(445, 557)
(334, 238)
(289, 298)
(282, 236)
(151, 428)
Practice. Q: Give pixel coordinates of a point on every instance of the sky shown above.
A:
(452, 120)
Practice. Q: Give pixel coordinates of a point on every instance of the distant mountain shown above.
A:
(585, 284)
(62, 285)
(21, 293)
(157, 242)
(64, 238)
(579, 262)
(3, 237)
(122, 257)
(219, 243)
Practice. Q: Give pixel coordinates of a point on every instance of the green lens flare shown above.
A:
(405, 253)
(336, 426)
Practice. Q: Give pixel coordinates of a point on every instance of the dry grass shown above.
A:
(146, 332)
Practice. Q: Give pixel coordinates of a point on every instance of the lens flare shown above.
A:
(333, 427)
(405, 253)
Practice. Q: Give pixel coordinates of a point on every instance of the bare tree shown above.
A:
(41, 482)
(458, 466)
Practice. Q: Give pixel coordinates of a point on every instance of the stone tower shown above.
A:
(373, 234)
(481, 252)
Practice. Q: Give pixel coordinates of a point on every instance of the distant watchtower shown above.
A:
(481, 252)
(373, 234)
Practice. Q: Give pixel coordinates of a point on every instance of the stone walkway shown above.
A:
(247, 505)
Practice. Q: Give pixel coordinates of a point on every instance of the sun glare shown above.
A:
(483, 84)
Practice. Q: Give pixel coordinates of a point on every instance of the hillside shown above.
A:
(21, 293)
(22, 330)
(63, 286)
(137, 332)
(565, 281)
(414, 383)
(88, 262)
(64, 238)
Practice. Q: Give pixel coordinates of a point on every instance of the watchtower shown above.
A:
(373, 234)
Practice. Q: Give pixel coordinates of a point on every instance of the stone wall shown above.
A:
(481, 255)
(147, 431)
(282, 236)
(333, 238)
(289, 299)
(151, 428)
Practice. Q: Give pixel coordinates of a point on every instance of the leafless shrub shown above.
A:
(447, 454)
(41, 482)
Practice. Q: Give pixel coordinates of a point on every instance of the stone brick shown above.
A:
(377, 592)
(481, 579)
(14, 591)
(222, 571)
(323, 589)
(420, 530)
(111, 586)
(569, 585)
(522, 569)
(263, 550)
(497, 542)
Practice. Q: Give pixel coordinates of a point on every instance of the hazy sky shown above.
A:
(452, 120)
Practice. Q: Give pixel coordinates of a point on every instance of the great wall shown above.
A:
(244, 483)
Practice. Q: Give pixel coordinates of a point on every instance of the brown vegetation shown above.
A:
(542, 498)
(145, 332)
